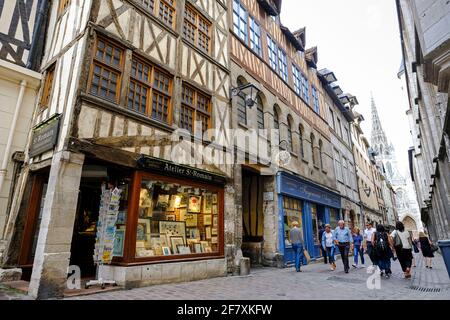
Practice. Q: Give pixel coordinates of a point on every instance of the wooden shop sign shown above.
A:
(45, 136)
(168, 168)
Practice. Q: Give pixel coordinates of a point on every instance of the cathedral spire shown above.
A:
(379, 141)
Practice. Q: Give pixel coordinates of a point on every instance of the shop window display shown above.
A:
(333, 218)
(292, 212)
(176, 219)
(315, 223)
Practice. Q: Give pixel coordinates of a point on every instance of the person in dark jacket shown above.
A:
(383, 248)
(403, 247)
(425, 246)
(324, 252)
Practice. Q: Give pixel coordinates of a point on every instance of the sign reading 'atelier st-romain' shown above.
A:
(45, 136)
(169, 168)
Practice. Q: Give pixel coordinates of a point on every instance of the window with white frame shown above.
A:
(305, 88)
(296, 73)
(240, 18)
(337, 165)
(273, 53)
(282, 64)
(255, 36)
(315, 96)
(345, 171)
(332, 123)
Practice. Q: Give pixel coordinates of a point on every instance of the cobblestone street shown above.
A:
(280, 284)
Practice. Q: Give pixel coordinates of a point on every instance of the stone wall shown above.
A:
(147, 275)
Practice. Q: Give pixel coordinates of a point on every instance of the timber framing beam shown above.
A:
(106, 153)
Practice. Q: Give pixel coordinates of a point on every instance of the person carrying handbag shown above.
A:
(427, 250)
(329, 246)
(403, 248)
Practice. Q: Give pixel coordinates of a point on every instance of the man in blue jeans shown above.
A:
(296, 238)
(344, 242)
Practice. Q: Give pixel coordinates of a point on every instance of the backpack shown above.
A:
(398, 244)
(382, 244)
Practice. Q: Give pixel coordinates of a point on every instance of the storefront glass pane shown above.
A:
(292, 212)
(124, 185)
(176, 220)
(315, 224)
(333, 218)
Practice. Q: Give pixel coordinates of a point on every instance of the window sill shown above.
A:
(108, 105)
(243, 126)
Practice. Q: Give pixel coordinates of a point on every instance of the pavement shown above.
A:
(315, 282)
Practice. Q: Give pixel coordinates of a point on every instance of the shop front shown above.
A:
(169, 227)
(308, 204)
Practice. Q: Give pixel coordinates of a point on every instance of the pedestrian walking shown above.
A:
(425, 246)
(344, 241)
(328, 246)
(403, 247)
(416, 245)
(358, 251)
(296, 238)
(368, 246)
(383, 250)
(324, 251)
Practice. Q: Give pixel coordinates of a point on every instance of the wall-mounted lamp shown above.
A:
(249, 92)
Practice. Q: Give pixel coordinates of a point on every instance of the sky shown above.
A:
(359, 40)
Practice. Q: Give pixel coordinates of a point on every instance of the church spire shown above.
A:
(379, 141)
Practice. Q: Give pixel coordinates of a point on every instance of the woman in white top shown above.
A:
(403, 248)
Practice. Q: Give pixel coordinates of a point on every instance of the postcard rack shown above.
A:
(106, 233)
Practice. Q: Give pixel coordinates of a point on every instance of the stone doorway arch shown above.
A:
(410, 223)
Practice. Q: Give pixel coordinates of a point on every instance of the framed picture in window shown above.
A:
(214, 209)
(214, 198)
(183, 249)
(166, 251)
(195, 204)
(214, 231)
(173, 228)
(143, 228)
(176, 241)
(171, 217)
(207, 203)
(191, 220)
(214, 240)
(208, 233)
(204, 245)
(118, 243)
(207, 220)
(198, 248)
(215, 221)
(183, 200)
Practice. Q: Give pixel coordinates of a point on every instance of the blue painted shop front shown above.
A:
(309, 204)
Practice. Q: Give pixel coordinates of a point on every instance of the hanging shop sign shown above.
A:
(168, 168)
(45, 136)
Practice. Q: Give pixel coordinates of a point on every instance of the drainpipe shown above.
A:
(36, 43)
(4, 166)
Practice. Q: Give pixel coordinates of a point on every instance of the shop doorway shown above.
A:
(34, 197)
(253, 216)
(94, 175)
(353, 222)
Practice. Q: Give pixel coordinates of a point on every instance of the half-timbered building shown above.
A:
(291, 103)
(126, 82)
